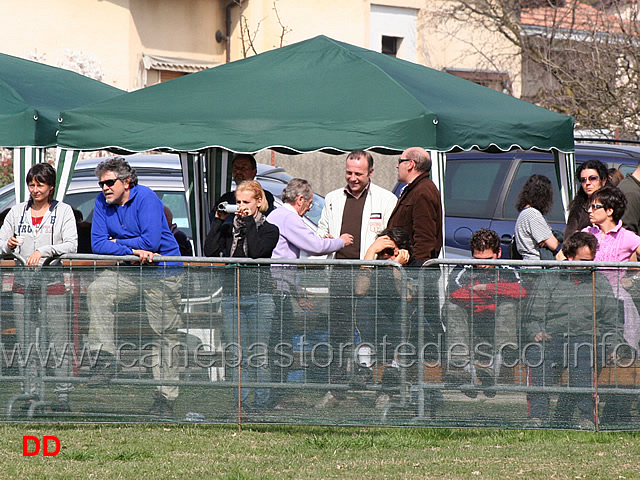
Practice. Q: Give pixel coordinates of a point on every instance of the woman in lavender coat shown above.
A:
(295, 237)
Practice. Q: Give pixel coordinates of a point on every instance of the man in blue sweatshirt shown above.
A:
(128, 219)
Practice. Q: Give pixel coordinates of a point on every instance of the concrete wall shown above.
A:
(326, 172)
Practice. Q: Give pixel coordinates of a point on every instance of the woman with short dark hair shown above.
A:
(615, 244)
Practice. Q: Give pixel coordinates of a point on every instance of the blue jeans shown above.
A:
(248, 351)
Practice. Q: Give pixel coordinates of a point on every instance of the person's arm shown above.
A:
(513, 290)
(212, 244)
(426, 215)
(6, 232)
(100, 237)
(551, 243)
(297, 232)
(149, 222)
(631, 215)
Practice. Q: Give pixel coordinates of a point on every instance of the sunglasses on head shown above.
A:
(109, 183)
(591, 178)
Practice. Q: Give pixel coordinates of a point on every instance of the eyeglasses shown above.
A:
(109, 183)
(390, 252)
(591, 178)
(594, 206)
(400, 160)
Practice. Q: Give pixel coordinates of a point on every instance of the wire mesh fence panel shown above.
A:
(334, 343)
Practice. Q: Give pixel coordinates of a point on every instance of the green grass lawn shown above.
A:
(206, 451)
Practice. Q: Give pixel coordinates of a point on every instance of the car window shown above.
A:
(626, 169)
(472, 186)
(82, 201)
(176, 201)
(7, 198)
(525, 170)
(316, 210)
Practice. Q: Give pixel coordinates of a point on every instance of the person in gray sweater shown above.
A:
(39, 229)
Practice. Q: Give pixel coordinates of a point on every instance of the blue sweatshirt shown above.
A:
(138, 224)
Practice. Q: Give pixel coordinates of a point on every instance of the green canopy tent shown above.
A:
(32, 95)
(316, 95)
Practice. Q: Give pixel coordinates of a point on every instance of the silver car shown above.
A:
(163, 174)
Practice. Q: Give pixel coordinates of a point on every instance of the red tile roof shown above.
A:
(575, 16)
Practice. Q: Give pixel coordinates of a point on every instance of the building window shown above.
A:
(393, 30)
(157, 69)
(391, 45)
(498, 81)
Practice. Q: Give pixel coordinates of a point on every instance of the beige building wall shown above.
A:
(447, 44)
(112, 35)
(108, 38)
(93, 31)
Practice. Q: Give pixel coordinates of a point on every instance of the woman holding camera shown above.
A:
(249, 294)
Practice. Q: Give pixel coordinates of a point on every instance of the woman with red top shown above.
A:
(38, 229)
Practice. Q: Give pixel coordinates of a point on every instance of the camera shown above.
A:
(227, 208)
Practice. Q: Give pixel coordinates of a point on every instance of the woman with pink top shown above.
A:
(615, 244)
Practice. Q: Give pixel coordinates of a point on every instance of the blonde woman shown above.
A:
(246, 234)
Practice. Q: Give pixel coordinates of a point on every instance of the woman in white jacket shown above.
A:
(38, 229)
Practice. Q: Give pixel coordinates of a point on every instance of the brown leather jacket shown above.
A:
(419, 213)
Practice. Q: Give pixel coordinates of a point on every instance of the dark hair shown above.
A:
(43, 173)
(537, 192)
(246, 156)
(78, 215)
(579, 202)
(615, 176)
(578, 240)
(360, 154)
(484, 239)
(120, 167)
(400, 237)
(611, 197)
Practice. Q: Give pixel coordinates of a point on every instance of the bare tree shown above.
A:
(576, 58)
(248, 36)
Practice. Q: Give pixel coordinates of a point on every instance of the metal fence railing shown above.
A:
(321, 342)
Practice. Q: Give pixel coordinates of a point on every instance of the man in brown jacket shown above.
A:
(419, 209)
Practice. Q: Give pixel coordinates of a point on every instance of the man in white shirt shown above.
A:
(361, 209)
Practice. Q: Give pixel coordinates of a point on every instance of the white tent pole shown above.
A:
(438, 168)
(566, 167)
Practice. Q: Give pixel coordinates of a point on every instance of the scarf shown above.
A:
(240, 232)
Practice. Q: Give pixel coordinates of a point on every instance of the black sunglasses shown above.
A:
(400, 160)
(109, 183)
(387, 251)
